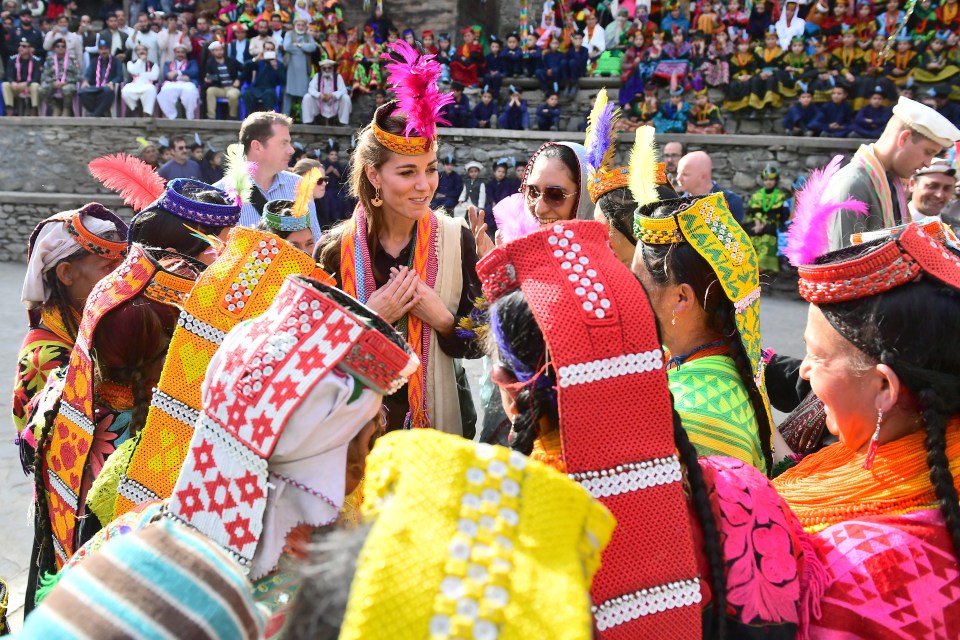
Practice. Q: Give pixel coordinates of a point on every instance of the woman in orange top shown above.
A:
(882, 502)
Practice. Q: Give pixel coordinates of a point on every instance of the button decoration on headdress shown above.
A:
(472, 538)
(239, 285)
(600, 334)
(270, 366)
(413, 77)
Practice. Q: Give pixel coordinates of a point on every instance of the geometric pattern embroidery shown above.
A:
(250, 271)
(64, 460)
(896, 576)
(222, 486)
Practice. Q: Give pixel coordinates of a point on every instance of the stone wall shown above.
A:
(44, 165)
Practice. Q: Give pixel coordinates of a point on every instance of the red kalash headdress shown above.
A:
(616, 420)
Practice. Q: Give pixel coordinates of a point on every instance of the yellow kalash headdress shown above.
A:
(707, 224)
(413, 77)
(472, 541)
(642, 175)
(238, 286)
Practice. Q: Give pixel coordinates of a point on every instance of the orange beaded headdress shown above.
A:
(64, 462)
(413, 77)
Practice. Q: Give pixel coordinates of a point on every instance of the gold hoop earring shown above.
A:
(376, 200)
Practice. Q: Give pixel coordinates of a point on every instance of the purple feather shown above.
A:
(601, 139)
(808, 238)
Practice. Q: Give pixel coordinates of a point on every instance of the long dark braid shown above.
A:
(711, 535)
(940, 476)
(726, 318)
(533, 403)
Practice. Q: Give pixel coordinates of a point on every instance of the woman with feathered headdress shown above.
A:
(415, 268)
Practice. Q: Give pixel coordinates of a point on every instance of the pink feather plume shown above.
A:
(414, 77)
(135, 180)
(513, 219)
(808, 238)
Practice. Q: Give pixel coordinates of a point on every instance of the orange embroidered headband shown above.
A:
(404, 145)
(606, 181)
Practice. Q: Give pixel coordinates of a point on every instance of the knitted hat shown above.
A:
(64, 460)
(601, 337)
(472, 541)
(283, 397)
(238, 286)
(161, 581)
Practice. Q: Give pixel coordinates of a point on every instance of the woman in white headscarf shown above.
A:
(67, 255)
(789, 26)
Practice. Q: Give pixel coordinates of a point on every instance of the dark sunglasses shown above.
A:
(552, 196)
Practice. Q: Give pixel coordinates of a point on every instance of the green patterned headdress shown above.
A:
(712, 231)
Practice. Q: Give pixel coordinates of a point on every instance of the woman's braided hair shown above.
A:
(909, 329)
(680, 263)
(521, 336)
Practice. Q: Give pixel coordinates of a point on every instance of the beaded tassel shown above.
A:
(874, 443)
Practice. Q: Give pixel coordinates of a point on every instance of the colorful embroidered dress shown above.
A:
(765, 213)
(45, 348)
(892, 570)
(715, 409)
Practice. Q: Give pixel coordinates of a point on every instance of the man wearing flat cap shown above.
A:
(931, 188)
(876, 175)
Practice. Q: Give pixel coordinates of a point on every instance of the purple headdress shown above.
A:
(601, 138)
(808, 239)
(413, 77)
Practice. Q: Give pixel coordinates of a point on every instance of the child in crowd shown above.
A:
(498, 188)
(871, 119)
(575, 64)
(801, 115)
(444, 57)
(485, 113)
(673, 116)
(429, 45)
(836, 115)
(743, 67)
(458, 112)
(550, 72)
(765, 212)
(515, 114)
(513, 56)
(704, 115)
(716, 68)
(495, 66)
(903, 61)
(466, 66)
(449, 186)
(548, 114)
(474, 192)
(531, 54)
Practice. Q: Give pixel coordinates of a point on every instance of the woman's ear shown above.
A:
(373, 176)
(65, 273)
(686, 298)
(888, 388)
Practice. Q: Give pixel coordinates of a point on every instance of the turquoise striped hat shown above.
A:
(163, 581)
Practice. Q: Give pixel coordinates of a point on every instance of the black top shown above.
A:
(452, 345)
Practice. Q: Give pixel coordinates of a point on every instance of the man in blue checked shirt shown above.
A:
(265, 136)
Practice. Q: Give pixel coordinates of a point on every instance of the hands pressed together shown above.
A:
(406, 293)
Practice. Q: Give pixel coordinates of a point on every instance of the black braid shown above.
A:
(43, 528)
(711, 535)
(731, 337)
(940, 475)
(533, 403)
(142, 394)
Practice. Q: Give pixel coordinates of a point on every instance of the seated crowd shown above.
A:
(835, 67)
